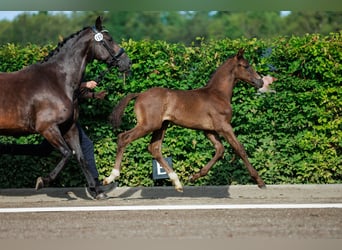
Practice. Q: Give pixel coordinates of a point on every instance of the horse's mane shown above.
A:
(61, 44)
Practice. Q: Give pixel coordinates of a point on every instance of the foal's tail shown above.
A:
(116, 115)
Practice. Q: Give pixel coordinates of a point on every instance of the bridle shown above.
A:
(98, 37)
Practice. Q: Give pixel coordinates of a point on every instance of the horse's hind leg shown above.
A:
(219, 150)
(240, 151)
(123, 140)
(155, 149)
(54, 137)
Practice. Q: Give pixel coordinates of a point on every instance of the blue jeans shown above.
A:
(88, 151)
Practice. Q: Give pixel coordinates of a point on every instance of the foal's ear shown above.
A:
(239, 55)
(98, 23)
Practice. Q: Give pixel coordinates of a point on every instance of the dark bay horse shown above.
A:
(41, 98)
(207, 108)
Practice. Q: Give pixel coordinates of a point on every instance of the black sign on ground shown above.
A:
(158, 171)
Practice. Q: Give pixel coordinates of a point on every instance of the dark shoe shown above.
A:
(101, 193)
(92, 194)
(101, 196)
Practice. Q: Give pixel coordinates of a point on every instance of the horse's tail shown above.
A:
(118, 110)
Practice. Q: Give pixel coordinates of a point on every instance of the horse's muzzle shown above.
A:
(125, 65)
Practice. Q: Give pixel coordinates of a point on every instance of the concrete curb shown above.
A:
(328, 192)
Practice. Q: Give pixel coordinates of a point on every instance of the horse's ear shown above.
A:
(98, 23)
(239, 55)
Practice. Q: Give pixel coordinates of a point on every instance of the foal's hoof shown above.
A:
(39, 183)
(194, 177)
(191, 178)
(179, 189)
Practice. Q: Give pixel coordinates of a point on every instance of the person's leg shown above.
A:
(88, 152)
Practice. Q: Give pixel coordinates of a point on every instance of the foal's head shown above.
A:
(245, 71)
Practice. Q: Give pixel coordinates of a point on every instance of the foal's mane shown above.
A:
(218, 69)
(61, 44)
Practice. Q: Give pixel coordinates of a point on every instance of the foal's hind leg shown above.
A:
(155, 149)
(214, 138)
(240, 151)
(123, 140)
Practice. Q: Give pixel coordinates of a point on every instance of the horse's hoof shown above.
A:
(262, 186)
(179, 189)
(39, 183)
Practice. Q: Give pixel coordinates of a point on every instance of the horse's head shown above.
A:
(245, 71)
(107, 50)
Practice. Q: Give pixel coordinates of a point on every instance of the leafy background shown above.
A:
(291, 136)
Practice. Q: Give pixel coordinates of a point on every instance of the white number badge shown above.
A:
(98, 37)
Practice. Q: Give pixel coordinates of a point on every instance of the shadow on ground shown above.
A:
(120, 192)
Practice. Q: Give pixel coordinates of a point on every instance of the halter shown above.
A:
(99, 38)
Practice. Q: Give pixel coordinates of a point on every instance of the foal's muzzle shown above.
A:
(258, 83)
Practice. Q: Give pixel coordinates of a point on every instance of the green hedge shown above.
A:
(291, 136)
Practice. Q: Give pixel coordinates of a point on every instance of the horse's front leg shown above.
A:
(72, 138)
(240, 151)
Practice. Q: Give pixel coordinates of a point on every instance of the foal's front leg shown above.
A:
(219, 150)
(240, 151)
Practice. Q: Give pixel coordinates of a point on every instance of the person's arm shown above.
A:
(86, 93)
